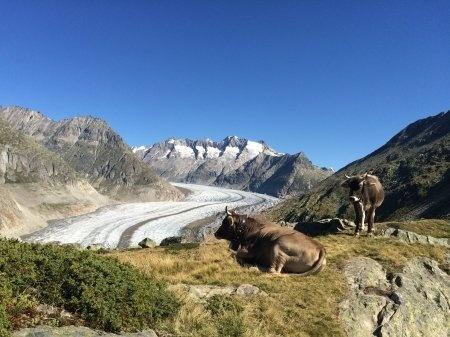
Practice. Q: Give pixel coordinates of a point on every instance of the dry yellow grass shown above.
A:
(295, 306)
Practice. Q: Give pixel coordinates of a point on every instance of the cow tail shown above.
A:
(318, 265)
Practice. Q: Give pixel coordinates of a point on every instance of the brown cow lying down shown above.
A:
(270, 246)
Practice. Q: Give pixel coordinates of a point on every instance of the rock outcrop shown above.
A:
(413, 302)
(147, 243)
(203, 292)
(22, 160)
(172, 240)
(411, 237)
(75, 331)
(324, 226)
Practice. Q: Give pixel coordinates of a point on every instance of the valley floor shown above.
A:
(123, 226)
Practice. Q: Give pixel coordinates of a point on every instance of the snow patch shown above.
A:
(183, 151)
(140, 148)
(212, 152)
(231, 151)
(254, 148)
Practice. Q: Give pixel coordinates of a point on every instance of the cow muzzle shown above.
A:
(354, 199)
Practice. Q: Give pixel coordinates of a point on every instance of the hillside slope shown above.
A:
(234, 163)
(37, 185)
(92, 148)
(414, 167)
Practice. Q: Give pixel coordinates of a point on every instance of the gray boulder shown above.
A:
(147, 243)
(324, 226)
(95, 247)
(172, 240)
(202, 292)
(248, 290)
(411, 303)
(74, 331)
(411, 237)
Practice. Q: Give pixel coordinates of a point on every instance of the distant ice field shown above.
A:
(124, 225)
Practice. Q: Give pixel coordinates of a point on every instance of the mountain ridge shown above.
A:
(37, 185)
(200, 147)
(233, 162)
(96, 151)
(414, 167)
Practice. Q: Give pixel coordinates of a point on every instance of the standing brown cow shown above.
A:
(366, 194)
(269, 245)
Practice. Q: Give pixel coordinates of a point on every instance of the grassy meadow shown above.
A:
(137, 289)
(295, 306)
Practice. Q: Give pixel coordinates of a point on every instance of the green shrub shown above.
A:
(5, 297)
(105, 293)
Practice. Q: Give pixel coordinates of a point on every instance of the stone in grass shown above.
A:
(411, 237)
(201, 292)
(172, 240)
(324, 226)
(75, 331)
(95, 247)
(147, 243)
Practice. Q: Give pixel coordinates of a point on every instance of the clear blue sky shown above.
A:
(334, 79)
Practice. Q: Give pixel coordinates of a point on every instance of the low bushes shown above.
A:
(101, 291)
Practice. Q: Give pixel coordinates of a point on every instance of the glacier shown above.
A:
(124, 225)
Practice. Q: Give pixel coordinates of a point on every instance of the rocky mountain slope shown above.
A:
(233, 162)
(93, 149)
(37, 185)
(414, 167)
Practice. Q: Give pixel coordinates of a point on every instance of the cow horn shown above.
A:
(366, 174)
(227, 211)
(347, 176)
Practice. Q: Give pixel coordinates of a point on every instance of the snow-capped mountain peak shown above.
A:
(232, 162)
(139, 148)
(231, 147)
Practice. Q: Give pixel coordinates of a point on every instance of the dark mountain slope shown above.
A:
(92, 148)
(22, 160)
(414, 167)
(280, 176)
(37, 185)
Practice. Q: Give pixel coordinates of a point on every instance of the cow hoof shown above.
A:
(272, 271)
(356, 234)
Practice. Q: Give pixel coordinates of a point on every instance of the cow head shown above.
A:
(227, 230)
(355, 185)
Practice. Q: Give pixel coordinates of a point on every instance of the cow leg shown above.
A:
(243, 255)
(278, 260)
(360, 217)
(370, 220)
(366, 219)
